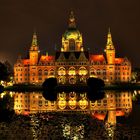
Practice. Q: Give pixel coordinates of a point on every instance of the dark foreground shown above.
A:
(64, 126)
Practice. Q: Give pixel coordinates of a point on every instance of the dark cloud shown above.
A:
(50, 17)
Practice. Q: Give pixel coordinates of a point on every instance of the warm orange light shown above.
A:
(46, 58)
(99, 116)
(119, 60)
(26, 113)
(62, 104)
(26, 61)
(97, 58)
(120, 113)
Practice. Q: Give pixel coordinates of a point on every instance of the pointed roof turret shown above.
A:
(34, 45)
(109, 40)
(34, 39)
(72, 23)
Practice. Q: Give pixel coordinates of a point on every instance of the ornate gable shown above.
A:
(61, 57)
(82, 57)
(72, 56)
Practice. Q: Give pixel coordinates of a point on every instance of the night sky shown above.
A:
(19, 18)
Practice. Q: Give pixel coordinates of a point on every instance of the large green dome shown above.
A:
(72, 34)
(72, 38)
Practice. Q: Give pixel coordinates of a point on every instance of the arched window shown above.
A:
(51, 72)
(46, 72)
(82, 79)
(92, 72)
(61, 71)
(104, 71)
(40, 72)
(62, 79)
(83, 71)
(72, 71)
(71, 44)
(72, 80)
(98, 72)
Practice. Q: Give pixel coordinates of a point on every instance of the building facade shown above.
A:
(72, 64)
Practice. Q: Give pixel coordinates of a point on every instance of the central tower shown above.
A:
(110, 49)
(72, 38)
(34, 51)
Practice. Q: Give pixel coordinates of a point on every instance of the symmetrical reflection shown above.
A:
(71, 116)
(114, 104)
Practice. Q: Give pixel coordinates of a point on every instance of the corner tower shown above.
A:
(110, 50)
(34, 50)
(72, 38)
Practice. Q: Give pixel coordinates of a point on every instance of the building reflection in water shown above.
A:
(71, 125)
(114, 104)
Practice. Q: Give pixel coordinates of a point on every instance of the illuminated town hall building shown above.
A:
(72, 64)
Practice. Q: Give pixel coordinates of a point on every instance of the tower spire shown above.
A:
(109, 40)
(34, 39)
(110, 49)
(72, 23)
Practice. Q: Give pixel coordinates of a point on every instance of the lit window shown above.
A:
(72, 71)
(61, 71)
(98, 72)
(82, 71)
(45, 72)
(72, 80)
(51, 72)
(104, 72)
(40, 102)
(40, 72)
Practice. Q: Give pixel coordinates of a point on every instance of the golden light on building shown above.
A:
(62, 100)
(72, 64)
(113, 104)
(83, 103)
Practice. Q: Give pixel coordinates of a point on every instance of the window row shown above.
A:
(71, 63)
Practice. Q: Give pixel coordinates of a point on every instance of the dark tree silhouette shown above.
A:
(6, 108)
(95, 91)
(4, 74)
(95, 83)
(49, 92)
(9, 68)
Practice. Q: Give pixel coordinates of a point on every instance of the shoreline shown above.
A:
(68, 88)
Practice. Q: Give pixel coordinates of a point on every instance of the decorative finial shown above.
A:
(72, 20)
